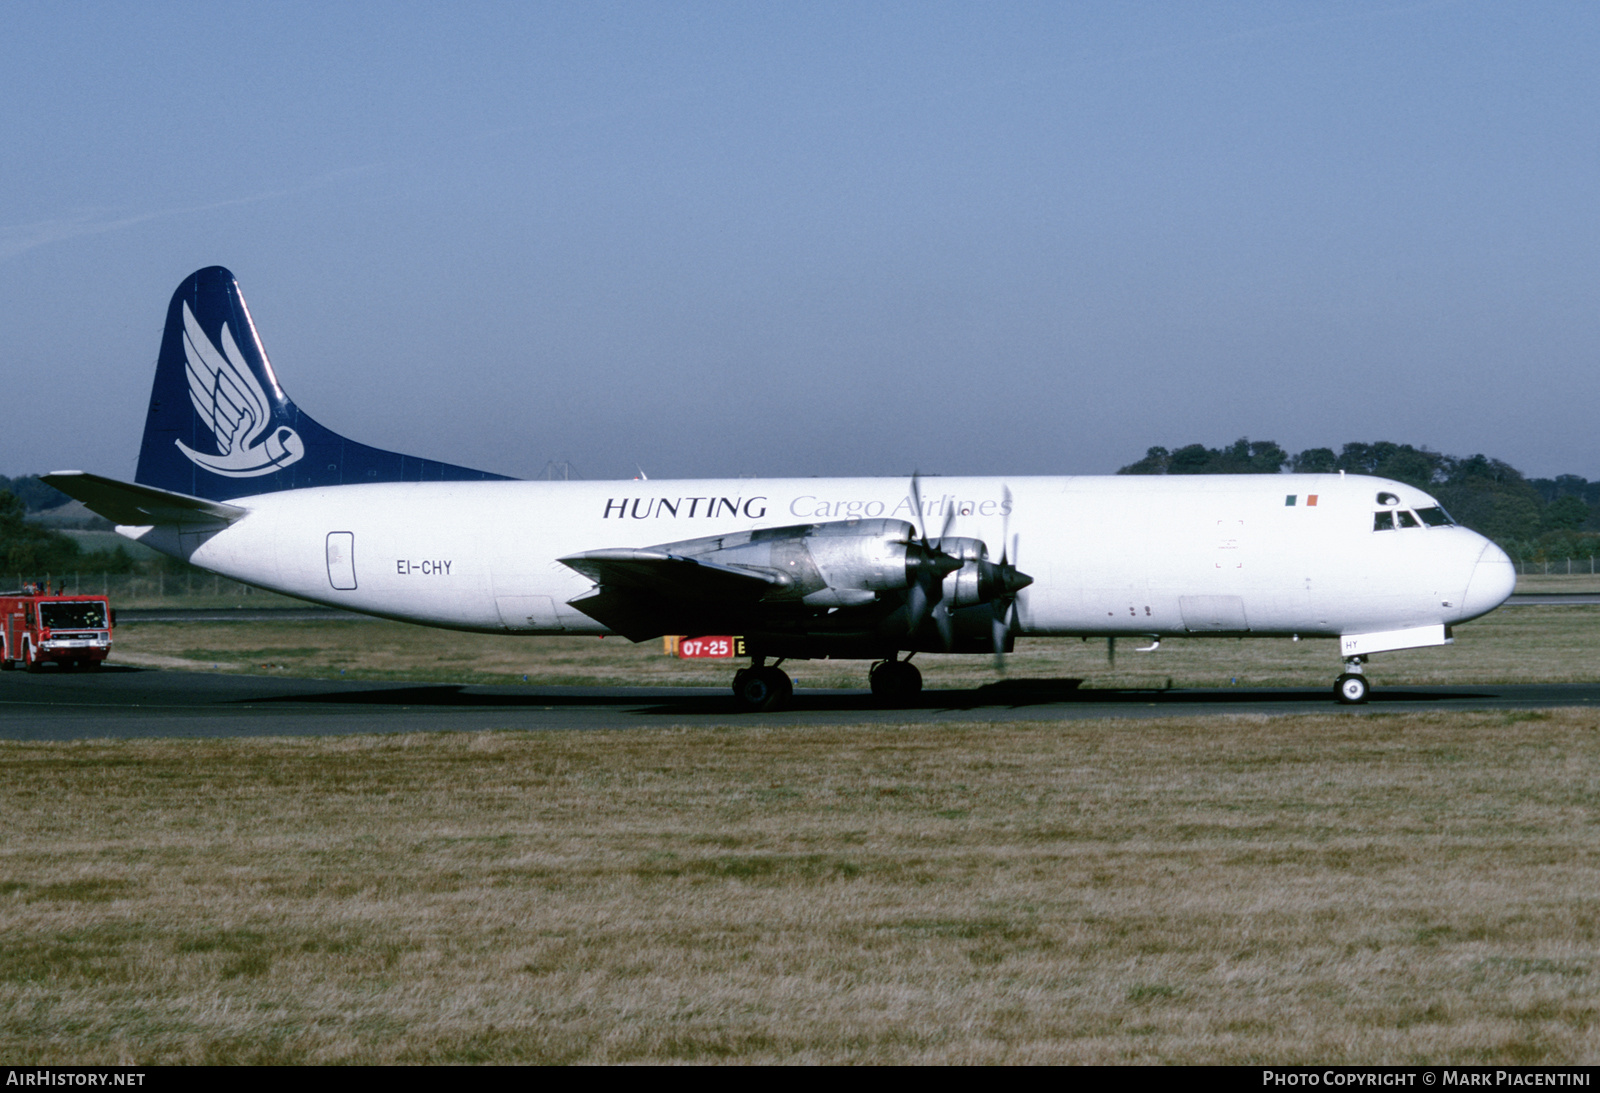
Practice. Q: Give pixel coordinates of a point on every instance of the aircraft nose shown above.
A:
(1493, 578)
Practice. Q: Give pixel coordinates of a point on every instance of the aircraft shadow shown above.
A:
(974, 700)
(1007, 694)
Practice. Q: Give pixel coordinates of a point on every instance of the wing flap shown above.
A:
(127, 503)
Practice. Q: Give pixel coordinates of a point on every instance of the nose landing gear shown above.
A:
(1352, 688)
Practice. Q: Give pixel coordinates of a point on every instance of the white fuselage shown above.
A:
(1160, 555)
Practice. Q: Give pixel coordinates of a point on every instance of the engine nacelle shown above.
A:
(978, 580)
(964, 587)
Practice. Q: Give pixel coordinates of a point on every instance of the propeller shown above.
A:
(1010, 581)
(946, 628)
(941, 609)
(927, 566)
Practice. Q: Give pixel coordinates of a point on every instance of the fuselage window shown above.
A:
(1388, 499)
(1383, 521)
(1435, 517)
(1407, 520)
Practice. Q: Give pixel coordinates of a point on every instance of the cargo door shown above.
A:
(342, 560)
(1213, 614)
(535, 613)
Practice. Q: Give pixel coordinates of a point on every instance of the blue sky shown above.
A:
(813, 238)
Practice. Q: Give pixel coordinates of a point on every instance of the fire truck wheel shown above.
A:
(29, 661)
(6, 663)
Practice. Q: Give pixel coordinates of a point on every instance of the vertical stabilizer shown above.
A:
(220, 426)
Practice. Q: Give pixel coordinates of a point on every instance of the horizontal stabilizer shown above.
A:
(126, 503)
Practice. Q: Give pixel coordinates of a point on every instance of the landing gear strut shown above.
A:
(760, 688)
(895, 680)
(1352, 688)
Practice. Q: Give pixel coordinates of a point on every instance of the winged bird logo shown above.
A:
(230, 400)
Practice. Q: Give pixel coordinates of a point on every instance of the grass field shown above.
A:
(1312, 889)
(1557, 582)
(1520, 644)
(1419, 888)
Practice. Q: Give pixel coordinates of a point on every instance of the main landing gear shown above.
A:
(894, 680)
(760, 688)
(1352, 688)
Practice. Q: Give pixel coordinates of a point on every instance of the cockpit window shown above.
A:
(1435, 517)
(1383, 521)
(1407, 520)
(1387, 498)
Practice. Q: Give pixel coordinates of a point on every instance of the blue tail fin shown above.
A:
(220, 426)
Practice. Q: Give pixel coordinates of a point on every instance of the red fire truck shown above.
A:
(37, 627)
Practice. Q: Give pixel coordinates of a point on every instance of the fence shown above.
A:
(1556, 567)
(136, 589)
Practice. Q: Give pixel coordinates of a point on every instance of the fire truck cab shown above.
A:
(37, 628)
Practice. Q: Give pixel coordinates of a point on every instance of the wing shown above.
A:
(643, 594)
(224, 391)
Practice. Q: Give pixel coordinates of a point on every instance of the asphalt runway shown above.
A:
(125, 703)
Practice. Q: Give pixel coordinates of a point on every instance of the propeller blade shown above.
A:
(916, 503)
(1005, 521)
(941, 619)
(916, 607)
(1002, 624)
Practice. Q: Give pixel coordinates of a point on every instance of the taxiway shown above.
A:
(118, 702)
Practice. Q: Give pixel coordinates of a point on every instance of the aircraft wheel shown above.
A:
(895, 681)
(762, 689)
(1351, 689)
